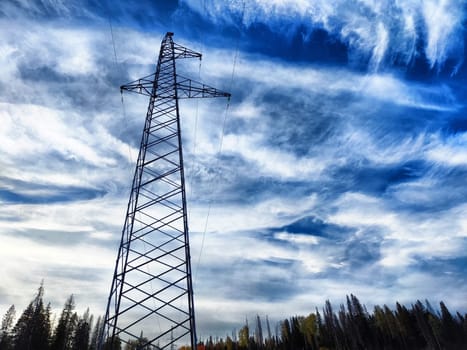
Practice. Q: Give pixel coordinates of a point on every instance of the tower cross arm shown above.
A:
(180, 51)
(141, 86)
(186, 88)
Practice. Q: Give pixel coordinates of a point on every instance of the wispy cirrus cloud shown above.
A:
(376, 33)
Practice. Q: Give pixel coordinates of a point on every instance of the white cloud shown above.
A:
(390, 89)
(8, 54)
(68, 51)
(384, 87)
(360, 144)
(77, 216)
(443, 19)
(405, 237)
(297, 238)
(259, 215)
(380, 48)
(367, 26)
(248, 109)
(356, 209)
(37, 130)
(271, 161)
(449, 151)
(44, 139)
(24, 267)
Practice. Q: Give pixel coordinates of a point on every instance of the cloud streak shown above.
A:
(377, 33)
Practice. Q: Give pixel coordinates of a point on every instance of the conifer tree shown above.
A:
(63, 336)
(116, 344)
(82, 333)
(32, 330)
(268, 327)
(329, 326)
(6, 342)
(423, 323)
(22, 332)
(96, 334)
(286, 334)
(451, 330)
(259, 332)
(410, 332)
(139, 344)
(41, 327)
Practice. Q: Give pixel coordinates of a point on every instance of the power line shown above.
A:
(221, 141)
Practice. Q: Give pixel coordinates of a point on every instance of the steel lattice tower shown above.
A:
(151, 298)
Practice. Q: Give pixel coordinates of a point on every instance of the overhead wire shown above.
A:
(195, 140)
(195, 132)
(221, 138)
(120, 71)
(113, 41)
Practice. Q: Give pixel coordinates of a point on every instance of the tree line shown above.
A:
(34, 328)
(350, 327)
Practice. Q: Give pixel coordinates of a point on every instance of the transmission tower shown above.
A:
(151, 297)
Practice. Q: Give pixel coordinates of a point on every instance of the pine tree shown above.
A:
(451, 330)
(82, 333)
(410, 333)
(22, 332)
(359, 320)
(6, 341)
(115, 344)
(96, 334)
(41, 327)
(63, 335)
(296, 333)
(322, 336)
(382, 328)
(329, 327)
(32, 330)
(271, 340)
(286, 334)
(139, 344)
(259, 333)
(347, 337)
(424, 325)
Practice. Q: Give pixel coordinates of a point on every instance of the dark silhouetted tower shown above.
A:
(151, 299)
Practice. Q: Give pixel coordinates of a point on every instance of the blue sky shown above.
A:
(339, 166)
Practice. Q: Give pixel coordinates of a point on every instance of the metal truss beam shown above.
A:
(187, 88)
